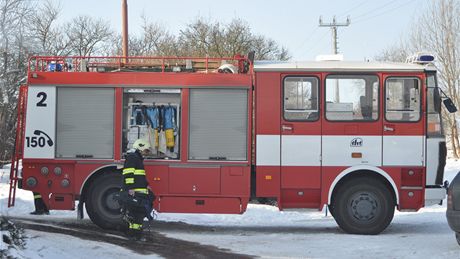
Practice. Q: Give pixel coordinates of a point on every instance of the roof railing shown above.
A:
(239, 64)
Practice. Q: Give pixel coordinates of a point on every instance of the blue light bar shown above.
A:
(421, 58)
(426, 58)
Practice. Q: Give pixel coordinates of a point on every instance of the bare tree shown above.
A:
(202, 38)
(154, 41)
(48, 36)
(14, 15)
(396, 53)
(87, 35)
(439, 31)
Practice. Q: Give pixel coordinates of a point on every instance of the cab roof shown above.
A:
(339, 66)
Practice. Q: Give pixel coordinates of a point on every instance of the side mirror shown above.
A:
(437, 100)
(450, 106)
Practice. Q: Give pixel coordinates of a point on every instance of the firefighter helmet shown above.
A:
(141, 144)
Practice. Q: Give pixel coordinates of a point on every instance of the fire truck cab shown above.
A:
(362, 138)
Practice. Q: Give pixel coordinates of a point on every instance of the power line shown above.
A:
(378, 8)
(318, 41)
(384, 12)
(309, 36)
(360, 4)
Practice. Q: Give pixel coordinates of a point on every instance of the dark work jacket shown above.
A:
(134, 173)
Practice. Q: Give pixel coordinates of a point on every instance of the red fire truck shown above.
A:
(358, 137)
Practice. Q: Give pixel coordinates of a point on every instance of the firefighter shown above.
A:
(135, 182)
(40, 207)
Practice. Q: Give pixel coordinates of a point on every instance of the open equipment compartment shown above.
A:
(152, 114)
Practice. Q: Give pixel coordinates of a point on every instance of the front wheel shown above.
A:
(363, 206)
(101, 205)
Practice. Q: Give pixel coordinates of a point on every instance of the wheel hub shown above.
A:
(109, 200)
(363, 206)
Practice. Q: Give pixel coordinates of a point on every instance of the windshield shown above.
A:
(434, 125)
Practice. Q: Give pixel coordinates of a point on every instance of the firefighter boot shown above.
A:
(40, 207)
(135, 235)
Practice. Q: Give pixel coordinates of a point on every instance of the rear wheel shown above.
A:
(363, 206)
(101, 205)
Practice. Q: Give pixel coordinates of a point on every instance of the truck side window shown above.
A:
(352, 98)
(301, 99)
(402, 99)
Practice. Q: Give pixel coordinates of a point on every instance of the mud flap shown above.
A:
(80, 214)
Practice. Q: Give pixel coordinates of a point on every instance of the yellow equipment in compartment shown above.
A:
(156, 137)
(169, 138)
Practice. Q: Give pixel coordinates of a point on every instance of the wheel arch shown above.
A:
(93, 176)
(354, 171)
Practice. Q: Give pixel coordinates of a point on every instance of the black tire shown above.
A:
(101, 206)
(457, 236)
(331, 210)
(267, 201)
(363, 206)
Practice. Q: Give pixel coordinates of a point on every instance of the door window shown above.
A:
(352, 98)
(300, 98)
(402, 99)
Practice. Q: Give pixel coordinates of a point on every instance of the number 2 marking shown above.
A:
(41, 103)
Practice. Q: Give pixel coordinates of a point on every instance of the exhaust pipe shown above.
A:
(124, 15)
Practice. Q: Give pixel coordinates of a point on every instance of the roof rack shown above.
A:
(139, 64)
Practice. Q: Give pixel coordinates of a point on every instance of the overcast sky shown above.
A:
(375, 24)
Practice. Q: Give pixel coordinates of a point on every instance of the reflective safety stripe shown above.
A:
(135, 226)
(139, 172)
(141, 190)
(129, 180)
(128, 170)
(38, 196)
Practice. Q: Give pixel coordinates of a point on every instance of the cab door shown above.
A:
(352, 127)
(300, 141)
(403, 127)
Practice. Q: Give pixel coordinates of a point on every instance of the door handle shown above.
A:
(387, 128)
(285, 127)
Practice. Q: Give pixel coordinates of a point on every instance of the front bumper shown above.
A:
(434, 195)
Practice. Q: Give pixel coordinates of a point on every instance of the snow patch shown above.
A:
(264, 231)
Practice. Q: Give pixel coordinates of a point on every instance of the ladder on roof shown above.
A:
(18, 144)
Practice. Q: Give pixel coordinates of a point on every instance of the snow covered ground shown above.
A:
(263, 231)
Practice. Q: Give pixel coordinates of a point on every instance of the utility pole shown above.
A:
(334, 24)
(335, 50)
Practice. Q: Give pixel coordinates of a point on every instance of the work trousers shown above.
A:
(136, 216)
(39, 204)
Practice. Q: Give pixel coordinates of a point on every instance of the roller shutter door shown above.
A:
(85, 123)
(218, 124)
